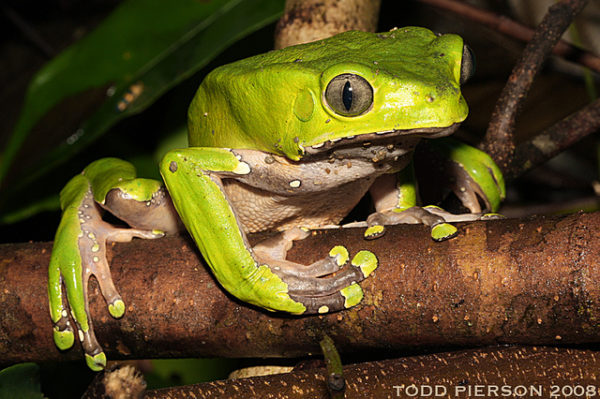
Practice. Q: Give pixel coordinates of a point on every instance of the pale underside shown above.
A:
(320, 190)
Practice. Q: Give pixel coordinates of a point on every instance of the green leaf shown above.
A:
(141, 50)
(21, 381)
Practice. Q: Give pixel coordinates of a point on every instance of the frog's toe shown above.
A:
(492, 216)
(275, 258)
(365, 261)
(327, 285)
(62, 331)
(96, 362)
(94, 256)
(345, 298)
(63, 336)
(428, 216)
(443, 231)
(116, 306)
(375, 231)
(94, 355)
(361, 266)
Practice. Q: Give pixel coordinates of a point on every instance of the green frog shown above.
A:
(289, 141)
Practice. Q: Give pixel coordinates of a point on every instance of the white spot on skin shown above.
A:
(81, 336)
(295, 183)
(64, 313)
(323, 309)
(242, 168)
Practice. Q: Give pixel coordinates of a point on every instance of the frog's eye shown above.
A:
(349, 94)
(467, 67)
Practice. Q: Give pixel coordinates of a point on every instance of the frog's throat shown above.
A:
(386, 135)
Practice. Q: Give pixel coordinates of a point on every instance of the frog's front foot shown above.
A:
(327, 285)
(435, 217)
(79, 252)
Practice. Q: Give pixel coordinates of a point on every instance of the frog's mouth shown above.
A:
(395, 141)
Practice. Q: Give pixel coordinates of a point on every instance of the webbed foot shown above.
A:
(80, 251)
(435, 217)
(470, 173)
(327, 285)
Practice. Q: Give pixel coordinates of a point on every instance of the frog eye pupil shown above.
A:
(349, 94)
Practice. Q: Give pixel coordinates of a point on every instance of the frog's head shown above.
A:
(350, 88)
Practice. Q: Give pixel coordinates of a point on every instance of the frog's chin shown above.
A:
(382, 137)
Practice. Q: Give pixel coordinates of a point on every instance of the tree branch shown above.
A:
(499, 141)
(305, 21)
(508, 27)
(506, 281)
(453, 374)
(554, 140)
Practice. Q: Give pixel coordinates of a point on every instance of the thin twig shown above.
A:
(511, 28)
(336, 385)
(499, 141)
(555, 139)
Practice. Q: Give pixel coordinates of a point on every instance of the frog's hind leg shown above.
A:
(329, 284)
(273, 251)
(343, 299)
(259, 275)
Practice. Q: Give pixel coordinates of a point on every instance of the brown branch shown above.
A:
(309, 20)
(499, 141)
(506, 281)
(472, 373)
(555, 139)
(516, 30)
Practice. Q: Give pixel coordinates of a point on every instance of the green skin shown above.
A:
(253, 126)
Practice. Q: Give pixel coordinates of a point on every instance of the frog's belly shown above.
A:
(260, 210)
